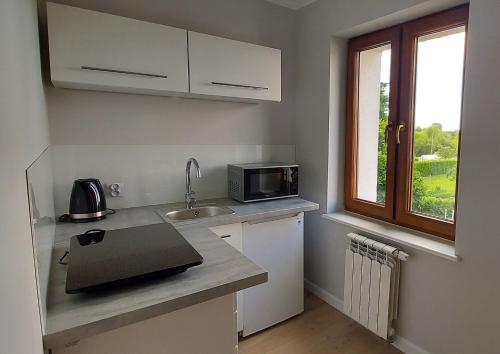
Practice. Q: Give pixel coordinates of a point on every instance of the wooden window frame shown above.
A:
(403, 39)
(373, 40)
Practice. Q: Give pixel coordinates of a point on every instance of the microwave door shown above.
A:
(265, 183)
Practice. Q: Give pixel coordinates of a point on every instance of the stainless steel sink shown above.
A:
(198, 212)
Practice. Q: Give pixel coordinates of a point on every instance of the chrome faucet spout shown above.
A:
(190, 200)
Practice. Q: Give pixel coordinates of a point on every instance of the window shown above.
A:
(404, 100)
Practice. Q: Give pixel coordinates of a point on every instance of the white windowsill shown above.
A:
(400, 235)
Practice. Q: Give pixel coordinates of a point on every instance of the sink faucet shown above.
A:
(190, 200)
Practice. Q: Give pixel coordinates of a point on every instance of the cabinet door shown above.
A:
(204, 328)
(227, 68)
(233, 234)
(277, 246)
(97, 51)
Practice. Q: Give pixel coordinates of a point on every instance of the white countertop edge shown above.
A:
(400, 235)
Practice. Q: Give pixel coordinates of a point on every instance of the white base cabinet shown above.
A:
(207, 328)
(278, 247)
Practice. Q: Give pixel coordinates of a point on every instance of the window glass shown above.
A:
(438, 106)
(373, 111)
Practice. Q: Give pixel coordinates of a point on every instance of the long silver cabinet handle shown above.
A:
(123, 72)
(217, 83)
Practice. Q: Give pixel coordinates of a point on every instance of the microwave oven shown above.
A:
(262, 181)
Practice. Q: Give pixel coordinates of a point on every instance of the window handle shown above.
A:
(401, 126)
(388, 128)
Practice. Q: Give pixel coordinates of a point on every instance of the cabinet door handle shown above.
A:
(217, 83)
(225, 236)
(92, 68)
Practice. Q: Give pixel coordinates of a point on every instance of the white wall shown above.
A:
(23, 136)
(445, 307)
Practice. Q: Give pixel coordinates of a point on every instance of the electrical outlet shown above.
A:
(116, 189)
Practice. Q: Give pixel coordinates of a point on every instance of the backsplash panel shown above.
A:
(154, 174)
(41, 198)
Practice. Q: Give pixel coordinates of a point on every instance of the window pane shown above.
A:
(438, 104)
(373, 112)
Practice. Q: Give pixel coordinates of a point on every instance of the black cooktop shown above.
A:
(102, 259)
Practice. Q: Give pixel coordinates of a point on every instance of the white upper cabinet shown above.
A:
(227, 68)
(98, 51)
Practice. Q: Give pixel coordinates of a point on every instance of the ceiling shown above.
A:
(292, 4)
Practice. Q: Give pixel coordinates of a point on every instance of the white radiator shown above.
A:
(372, 284)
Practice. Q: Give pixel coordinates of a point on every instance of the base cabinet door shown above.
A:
(277, 246)
(207, 328)
(97, 51)
(233, 234)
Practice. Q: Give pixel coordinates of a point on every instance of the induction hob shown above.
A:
(102, 259)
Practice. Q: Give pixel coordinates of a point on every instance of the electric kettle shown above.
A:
(88, 202)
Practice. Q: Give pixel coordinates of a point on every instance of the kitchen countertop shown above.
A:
(224, 271)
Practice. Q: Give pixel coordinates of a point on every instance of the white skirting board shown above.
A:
(401, 343)
(408, 347)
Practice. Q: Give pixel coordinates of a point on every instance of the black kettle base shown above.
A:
(81, 221)
(67, 218)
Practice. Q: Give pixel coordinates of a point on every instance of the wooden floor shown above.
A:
(321, 329)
